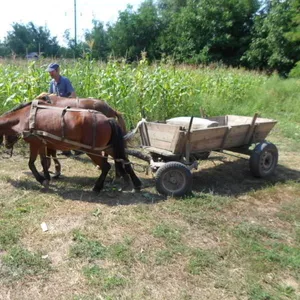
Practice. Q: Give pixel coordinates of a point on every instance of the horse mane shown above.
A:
(22, 105)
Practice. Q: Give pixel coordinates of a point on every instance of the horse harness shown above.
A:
(35, 106)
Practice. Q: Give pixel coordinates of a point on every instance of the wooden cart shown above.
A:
(176, 149)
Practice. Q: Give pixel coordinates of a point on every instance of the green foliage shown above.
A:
(102, 278)
(161, 91)
(29, 38)
(256, 34)
(265, 251)
(135, 32)
(270, 49)
(9, 235)
(170, 234)
(20, 262)
(87, 248)
(97, 40)
(295, 71)
(207, 31)
(200, 260)
(121, 252)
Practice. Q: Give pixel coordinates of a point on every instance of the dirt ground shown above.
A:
(70, 205)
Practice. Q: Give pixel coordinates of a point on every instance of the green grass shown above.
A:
(102, 278)
(87, 248)
(201, 260)
(9, 234)
(19, 262)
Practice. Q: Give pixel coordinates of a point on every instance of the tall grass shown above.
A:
(161, 91)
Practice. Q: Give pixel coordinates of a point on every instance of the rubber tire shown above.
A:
(178, 172)
(263, 159)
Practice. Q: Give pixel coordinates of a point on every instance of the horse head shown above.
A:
(46, 97)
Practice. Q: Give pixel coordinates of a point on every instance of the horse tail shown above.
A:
(117, 141)
(121, 121)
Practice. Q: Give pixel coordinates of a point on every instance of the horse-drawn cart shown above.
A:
(175, 147)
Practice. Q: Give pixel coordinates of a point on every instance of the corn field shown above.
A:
(156, 92)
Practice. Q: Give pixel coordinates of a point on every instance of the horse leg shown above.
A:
(34, 151)
(126, 171)
(57, 165)
(104, 166)
(137, 184)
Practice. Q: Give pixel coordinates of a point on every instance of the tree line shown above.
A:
(255, 34)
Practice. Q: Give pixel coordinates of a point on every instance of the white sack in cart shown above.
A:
(198, 123)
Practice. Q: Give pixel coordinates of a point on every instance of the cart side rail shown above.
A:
(162, 136)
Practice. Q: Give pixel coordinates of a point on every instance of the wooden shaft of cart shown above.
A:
(187, 142)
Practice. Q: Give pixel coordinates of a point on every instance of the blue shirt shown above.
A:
(62, 88)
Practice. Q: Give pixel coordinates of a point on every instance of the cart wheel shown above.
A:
(173, 179)
(263, 159)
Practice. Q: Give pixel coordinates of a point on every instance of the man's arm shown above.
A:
(70, 88)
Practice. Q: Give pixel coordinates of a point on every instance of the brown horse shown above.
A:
(84, 103)
(44, 126)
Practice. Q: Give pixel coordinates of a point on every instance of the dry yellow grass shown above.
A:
(156, 248)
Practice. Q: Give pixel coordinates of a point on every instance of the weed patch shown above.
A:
(19, 263)
(102, 278)
(86, 248)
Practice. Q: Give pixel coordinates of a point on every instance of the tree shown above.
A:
(29, 38)
(293, 34)
(135, 32)
(4, 50)
(206, 31)
(97, 41)
(270, 48)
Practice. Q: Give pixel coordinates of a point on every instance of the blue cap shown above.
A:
(52, 67)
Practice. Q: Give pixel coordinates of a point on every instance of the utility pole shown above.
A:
(75, 24)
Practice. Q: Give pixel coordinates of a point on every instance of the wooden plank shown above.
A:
(144, 135)
(248, 137)
(163, 136)
(262, 131)
(207, 139)
(236, 136)
(159, 127)
(213, 138)
(172, 138)
(180, 140)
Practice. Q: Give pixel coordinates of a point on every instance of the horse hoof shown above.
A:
(45, 183)
(96, 190)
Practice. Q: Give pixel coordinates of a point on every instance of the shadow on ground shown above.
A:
(79, 188)
(233, 178)
(220, 175)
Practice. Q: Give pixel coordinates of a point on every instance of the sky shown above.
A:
(58, 15)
